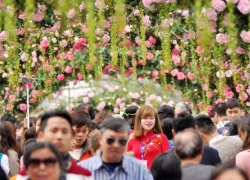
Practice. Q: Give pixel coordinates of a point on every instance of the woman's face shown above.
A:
(148, 123)
(43, 164)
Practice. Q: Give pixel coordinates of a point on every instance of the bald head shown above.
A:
(188, 144)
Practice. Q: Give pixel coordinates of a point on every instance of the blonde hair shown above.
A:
(145, 112)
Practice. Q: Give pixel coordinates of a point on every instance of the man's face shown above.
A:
(80, 135)
(57, 132)
(233, 113)
(112, 152)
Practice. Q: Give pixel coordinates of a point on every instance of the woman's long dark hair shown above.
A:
(7, 138)
(244, 126)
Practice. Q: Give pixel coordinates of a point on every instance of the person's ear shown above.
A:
(99, 138)
(40, 135)
(173, 132)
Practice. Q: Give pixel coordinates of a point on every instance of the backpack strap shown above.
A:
(1, 155)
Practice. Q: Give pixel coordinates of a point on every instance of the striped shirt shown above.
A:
(131, 168)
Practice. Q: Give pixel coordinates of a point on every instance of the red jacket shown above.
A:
(154, 144)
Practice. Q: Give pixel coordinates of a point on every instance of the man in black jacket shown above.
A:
(210, 156)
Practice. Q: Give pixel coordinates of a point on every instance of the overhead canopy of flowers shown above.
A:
(199, 47)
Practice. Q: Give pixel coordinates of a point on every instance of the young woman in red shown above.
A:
(148, 141)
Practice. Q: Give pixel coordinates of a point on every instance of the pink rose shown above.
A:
(185, 13)
(128, 42)
(218, 5)
(244, 6)
(146, 20)
(21, 16)
(116, 110)
(199, 49)
(60, 77)
(35, 93)
(12, 98)
(240, 50)
(23, 107)
(218, 101)
(89, 67)
(9, 107)
(209, 94)
(180, 76)
(106, 38)
(75, 82)
(63, 43)
(222, 38)
(32, 101)
(229, 73)
(91, 94)
(245, 36)
(101, 106)
(212, 15)
(189, 35)
(79, 76)
(99, 32)
(243, 96)
(3, 36)
(152, 40)
(71, 13)
(24, 57)
(225, 89)
(150, 56)
(176, 52)
(155, 74)
(71, 56)
(146, 3)
(77, 46)
(68, 69)
(239, 87)
(190, 76)
(176, 59)
(44, 44)
(20, 31)
(38, 16)
(174, 72)
(85, 100)
(229, 95)
(82, 41)
(106, 24)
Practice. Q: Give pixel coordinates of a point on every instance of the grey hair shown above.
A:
(188, 144)
(115, 124)
(184, 107)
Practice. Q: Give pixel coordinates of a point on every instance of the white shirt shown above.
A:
(5, 164)
(76, 153)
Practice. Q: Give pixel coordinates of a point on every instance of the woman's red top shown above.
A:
(148, 147)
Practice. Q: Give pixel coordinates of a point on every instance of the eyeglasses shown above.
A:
(122, 142)
(35, 162)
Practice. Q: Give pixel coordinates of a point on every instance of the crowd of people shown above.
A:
(141, 143)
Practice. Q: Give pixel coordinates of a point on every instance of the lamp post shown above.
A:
(27, 82)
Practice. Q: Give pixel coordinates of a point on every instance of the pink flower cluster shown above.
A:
(245, 36)
(219, 5)
(222, 38)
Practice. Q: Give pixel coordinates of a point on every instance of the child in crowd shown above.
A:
(81, 126)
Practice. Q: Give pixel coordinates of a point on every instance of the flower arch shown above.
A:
(201, 48)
